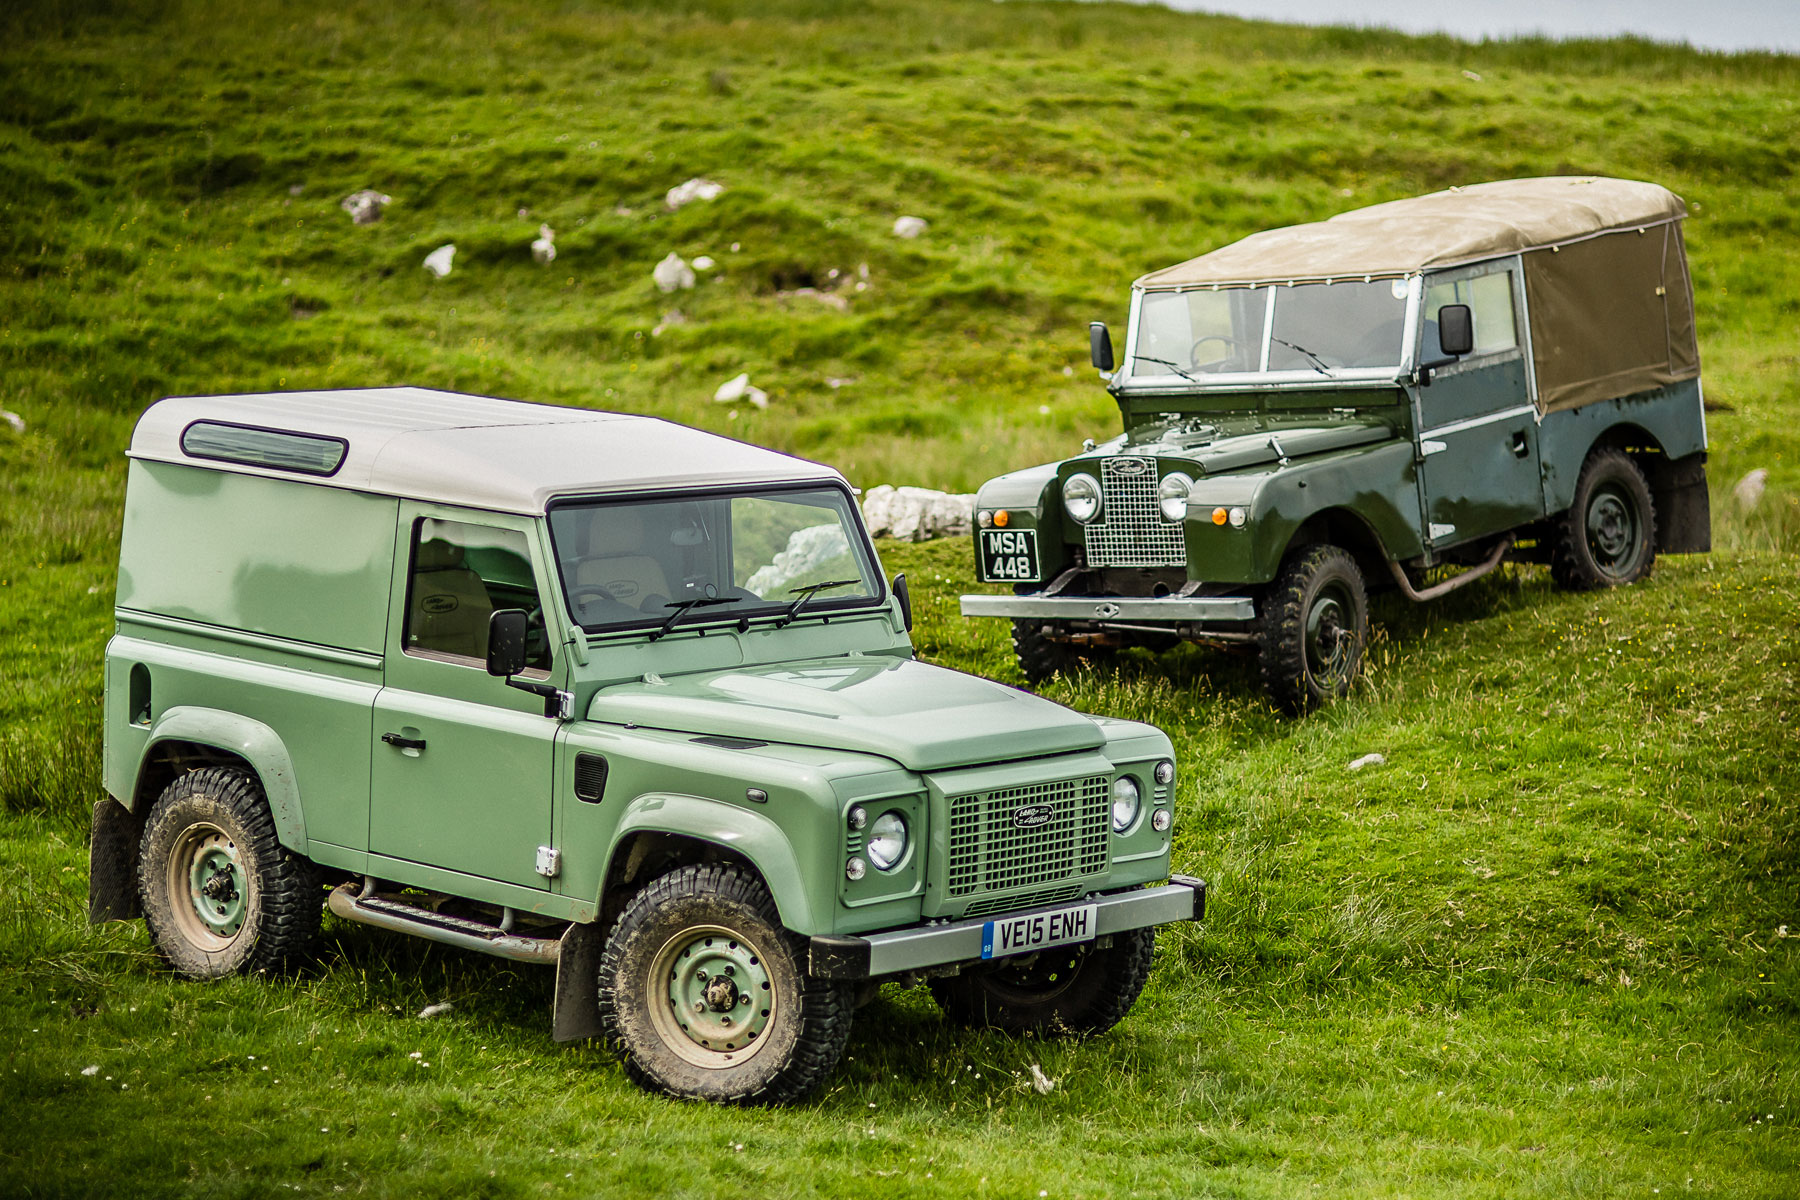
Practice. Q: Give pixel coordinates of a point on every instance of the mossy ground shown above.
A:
(1539, 951)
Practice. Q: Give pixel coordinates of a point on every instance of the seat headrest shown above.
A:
(615, 531)
(436, 555)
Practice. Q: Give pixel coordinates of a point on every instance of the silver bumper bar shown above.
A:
(1113, 608)
(876, 954)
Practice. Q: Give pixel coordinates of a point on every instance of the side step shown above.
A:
(353, 902)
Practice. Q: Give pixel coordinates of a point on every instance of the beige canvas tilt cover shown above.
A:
(1606, 279)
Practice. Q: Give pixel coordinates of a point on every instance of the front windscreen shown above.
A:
(1335, 329)
(628, 563)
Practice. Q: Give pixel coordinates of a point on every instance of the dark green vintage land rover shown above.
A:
(1424, 388)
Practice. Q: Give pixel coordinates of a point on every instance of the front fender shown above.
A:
(252, 741)
(751, 834)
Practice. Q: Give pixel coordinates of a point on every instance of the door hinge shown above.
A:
(549, 861)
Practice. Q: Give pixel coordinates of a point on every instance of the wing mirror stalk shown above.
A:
(1456, 337)
(508, 630)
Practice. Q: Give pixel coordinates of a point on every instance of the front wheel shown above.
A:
(1608, 536)
(1075, 991)
(1315, 624)
(706, 996)
(220, 893)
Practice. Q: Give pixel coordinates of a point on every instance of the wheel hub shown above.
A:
(720, 995)
(217, 892)
(1326, 646)
(1610, 528)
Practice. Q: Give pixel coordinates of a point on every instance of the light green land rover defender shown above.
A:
(602, 692)
(1506, 371)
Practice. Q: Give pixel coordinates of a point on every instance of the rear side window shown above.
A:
(280, 449)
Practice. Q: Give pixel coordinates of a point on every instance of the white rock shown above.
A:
(365, 206)
(14, 420)
(1472, 76)
(544, 248)
(1042, 1082)
(692, 190)
(915, 514)
(433, 1010)
(738, 388)
(1367, 760)
(703, 262)
(806, 552)
(90, 1071)
(910, 227)
(438, 261)
(1748, 491)
(672, 274)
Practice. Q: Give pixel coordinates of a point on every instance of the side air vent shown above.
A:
(728, 743)
(590, 778)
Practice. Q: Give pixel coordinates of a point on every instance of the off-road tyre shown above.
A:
(1608, 536)
(1067, 991)
(699, 932)
(1315, 625)
(1041, 657)
(220, 893)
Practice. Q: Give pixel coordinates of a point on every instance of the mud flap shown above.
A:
(577, 1012)
(1683, 510)
(112, 863)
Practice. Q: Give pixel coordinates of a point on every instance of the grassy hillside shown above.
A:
(1542, 950)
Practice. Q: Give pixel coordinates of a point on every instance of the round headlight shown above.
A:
(1173, 492)
(1125, 803)
(1081, 498)
(887, 841)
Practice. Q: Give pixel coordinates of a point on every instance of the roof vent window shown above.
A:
(278, 449)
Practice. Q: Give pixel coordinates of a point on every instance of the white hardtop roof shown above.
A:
(502, 455)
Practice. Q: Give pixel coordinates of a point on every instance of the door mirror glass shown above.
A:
(507, 631)
(1100, 346)
(904, 596)
(1456, 329)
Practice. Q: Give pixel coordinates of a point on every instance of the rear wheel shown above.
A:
(220, 893)
(1608, 536)
(706, 996)
(1066, 991)
(1315, 623)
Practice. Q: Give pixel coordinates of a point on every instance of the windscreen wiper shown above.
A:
(807, 593)
(1318, 364)
(1163, 362)
(682, 607)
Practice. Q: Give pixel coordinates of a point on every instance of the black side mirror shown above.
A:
(904, 596)
(1456, 329)
(507, 630)
(1100, 346)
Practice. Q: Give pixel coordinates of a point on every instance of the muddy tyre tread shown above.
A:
(1282, 652)
(1040, 658)
(288, 888)
(1572, 563)
(826, 1007)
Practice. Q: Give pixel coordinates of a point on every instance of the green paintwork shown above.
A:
(217, 890)
(228, 643)
(719, 990)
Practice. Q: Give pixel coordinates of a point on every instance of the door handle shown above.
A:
(403, 742)
(1520, 447)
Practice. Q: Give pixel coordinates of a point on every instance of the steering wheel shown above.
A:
(1194, 351)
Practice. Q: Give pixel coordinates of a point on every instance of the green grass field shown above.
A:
(1542, 951)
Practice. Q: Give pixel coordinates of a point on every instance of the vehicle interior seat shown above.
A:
(450, 606)
(614, 559)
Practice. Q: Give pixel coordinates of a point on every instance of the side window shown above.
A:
(460, 575)
(1490, 301)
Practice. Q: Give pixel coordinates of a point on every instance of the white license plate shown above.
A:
(1009, 554)
(1021, 935)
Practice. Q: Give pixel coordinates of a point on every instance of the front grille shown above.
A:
(989, 852)
(981, 908)
(1131, 531)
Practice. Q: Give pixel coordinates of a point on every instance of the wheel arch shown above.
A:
(659, 831)
(186, 738)
(1349, 531)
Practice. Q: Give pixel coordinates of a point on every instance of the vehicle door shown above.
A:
(461, 779)
(1477, 420)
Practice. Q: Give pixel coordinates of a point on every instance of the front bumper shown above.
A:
(1113, 608)
(877, 954)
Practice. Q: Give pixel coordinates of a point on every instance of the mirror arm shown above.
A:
(557, 703)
